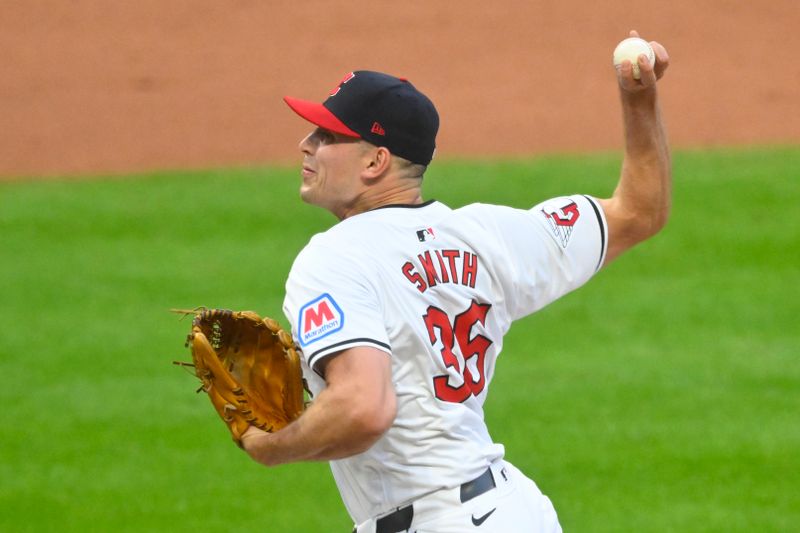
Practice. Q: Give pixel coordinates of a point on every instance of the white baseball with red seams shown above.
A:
(437, 289)
(630, 49)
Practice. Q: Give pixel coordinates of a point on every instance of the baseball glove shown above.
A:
(249, 368)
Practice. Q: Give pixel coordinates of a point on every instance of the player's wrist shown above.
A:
(640, 104)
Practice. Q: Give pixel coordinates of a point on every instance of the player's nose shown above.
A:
(307, 143)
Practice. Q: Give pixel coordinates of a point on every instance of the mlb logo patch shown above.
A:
(426, 234)
(319, 318)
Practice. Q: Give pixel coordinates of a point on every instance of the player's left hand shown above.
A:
(649, 74)
(250, 439)
(249, 368)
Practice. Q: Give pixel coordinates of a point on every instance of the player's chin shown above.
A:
(307, 193)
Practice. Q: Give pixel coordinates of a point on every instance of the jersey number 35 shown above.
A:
(458, 334)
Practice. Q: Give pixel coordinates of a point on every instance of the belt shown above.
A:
(400, 520)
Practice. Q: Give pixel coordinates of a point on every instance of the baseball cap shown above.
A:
(380, 109)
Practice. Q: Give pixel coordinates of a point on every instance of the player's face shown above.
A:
(332, 165)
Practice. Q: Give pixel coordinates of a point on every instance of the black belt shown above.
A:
(400, 520)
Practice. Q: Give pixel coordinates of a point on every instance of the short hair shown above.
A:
(409, 169)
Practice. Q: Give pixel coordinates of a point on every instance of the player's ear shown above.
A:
(379, 161)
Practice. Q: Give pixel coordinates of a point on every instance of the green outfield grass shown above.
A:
(663, 396)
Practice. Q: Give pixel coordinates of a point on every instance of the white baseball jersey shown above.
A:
(436, 289)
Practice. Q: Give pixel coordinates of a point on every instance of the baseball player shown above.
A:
(400, 309)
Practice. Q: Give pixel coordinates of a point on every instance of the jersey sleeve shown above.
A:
(550, 250)
(331, 306)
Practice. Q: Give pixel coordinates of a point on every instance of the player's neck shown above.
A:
(370, 200)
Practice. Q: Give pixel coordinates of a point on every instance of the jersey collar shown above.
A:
(405, 206)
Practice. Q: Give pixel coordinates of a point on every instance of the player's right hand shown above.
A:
(649, 73)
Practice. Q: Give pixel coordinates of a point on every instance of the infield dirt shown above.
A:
(94, 87)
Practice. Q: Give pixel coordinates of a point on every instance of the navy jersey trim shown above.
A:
(339, 346)
(602, 232)
(406, 206)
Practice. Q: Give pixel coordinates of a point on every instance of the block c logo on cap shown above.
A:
(319, 318)
(338, 88)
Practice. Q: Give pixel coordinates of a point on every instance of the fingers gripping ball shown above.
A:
(249, 368)
(630, 49)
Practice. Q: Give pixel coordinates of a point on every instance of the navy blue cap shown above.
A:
(382, 110)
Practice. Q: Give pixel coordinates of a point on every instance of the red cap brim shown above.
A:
(320, 115)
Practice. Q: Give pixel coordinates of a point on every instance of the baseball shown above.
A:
(630, 49)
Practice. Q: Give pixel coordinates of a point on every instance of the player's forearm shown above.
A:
(640, 205)
(346, 418)
(331, 428)
(643, 193)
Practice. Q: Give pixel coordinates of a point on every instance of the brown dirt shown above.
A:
(90, 86)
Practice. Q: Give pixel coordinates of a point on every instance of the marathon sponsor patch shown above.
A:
(319, 318)
(561, 219)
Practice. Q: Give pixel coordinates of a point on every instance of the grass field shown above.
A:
(663, 396)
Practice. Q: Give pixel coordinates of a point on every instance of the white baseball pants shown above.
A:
(516, 505)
